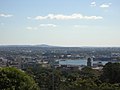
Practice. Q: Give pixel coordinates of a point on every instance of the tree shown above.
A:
(47, 78)
(111, 73)
(88, 72)
(82, 84)
(108, 86)
(14, 79)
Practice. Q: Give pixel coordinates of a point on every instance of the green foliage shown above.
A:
(111, 73)
(86, 79)
(47, 77)
(88, 72)
(83, 84)
(108, 86)
(14, 79)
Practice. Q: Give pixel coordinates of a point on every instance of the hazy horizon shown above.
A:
(60, 23)
(55, 45)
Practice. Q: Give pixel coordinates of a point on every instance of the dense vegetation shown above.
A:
(61, 79)
(14, 79)
(86, 79)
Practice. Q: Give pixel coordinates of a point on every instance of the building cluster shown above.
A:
(26, 62)
(24, 57)
(22, 62)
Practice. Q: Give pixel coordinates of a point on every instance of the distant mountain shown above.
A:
(45, 45)
(41, 45)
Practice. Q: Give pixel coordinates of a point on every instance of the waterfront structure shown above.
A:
(89, 62)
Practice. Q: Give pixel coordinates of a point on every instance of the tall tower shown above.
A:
(89, 63)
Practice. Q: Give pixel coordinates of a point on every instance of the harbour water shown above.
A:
(80, 62)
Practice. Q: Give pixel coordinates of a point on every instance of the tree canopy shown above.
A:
(111, 73)
(14, 79)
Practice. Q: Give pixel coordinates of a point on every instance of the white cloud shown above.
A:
(93, 4)
(29, 18)
(80, 26)
(76, 26)
(5, 15)
(76, 16)
(105, 5)
(41, 26)
(47, 25)
(31, 28)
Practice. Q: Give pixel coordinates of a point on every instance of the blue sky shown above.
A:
(60, 22)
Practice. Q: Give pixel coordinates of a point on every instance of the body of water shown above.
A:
(79, 62)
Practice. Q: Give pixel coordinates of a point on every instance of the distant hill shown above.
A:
(44, 45)
(41, 45)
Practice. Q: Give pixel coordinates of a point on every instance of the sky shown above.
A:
(60, 22)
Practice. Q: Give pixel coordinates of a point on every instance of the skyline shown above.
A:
(60, 23)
